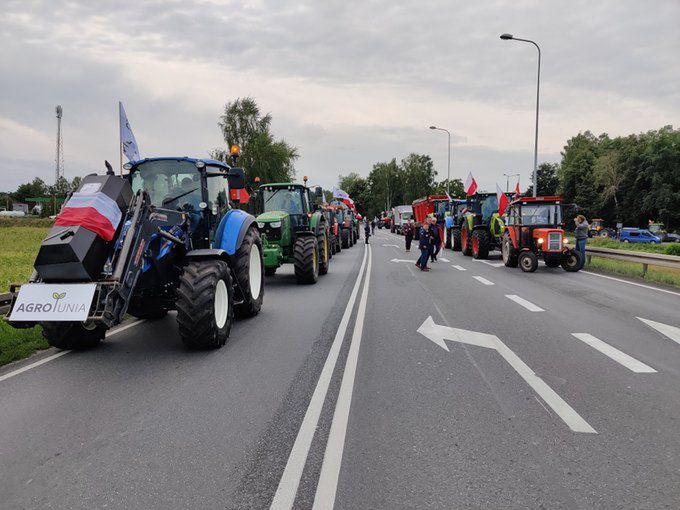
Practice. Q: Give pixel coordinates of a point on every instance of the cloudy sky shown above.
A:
(348, 83)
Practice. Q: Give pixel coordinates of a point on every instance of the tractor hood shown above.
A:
(271, 216)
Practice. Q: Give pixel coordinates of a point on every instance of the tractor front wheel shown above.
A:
(571, 261)
(528, 261)
(480, 244)
(456, 244)
(248, 267)
(306, 254)
(508, 251)
(74, 336)
(447, 243)
(345, 239)
(465, 241)
(324, 254)
(205, 304)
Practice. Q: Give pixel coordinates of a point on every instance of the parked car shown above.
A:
(638, 235)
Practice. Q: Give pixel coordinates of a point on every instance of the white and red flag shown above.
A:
(338, 193)
(502, 200)
(94, 211)
(518, 193)
(349, 202)
(470, 185)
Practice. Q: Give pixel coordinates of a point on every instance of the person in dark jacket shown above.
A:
(372, 226)
(407, 228)
(424, 243)
(367, 231)
(436, 239)
(581, 235)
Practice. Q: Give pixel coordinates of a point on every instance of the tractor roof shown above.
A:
(431, 198)
(211, 162)
(547, 199)
(282, 185)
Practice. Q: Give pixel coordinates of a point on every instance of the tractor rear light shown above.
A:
(275, 224)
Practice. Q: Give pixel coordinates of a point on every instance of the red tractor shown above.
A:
(431, 204)
(534, 230)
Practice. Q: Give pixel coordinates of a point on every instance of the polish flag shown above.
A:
(470, 185)
(349, 202)
(94, 211)
(502, 200)
(517, 191)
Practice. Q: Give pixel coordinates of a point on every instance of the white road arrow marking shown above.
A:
(670, 331)
(438, 334)
(621, 357)
(391, 245)
(403, 260)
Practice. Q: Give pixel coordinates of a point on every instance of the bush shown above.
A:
(673, 249)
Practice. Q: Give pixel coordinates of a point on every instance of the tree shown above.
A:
(608, 177)
(243, 124)
(419, 176)
(36, 188)
(59, 188)
(548, 181)
(357, 188)
(75, 183)
(455, 189)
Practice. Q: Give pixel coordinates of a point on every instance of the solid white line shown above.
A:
(632, 283)
(526, 304)
(460, 268)
(290, 479)
(324, 499)
(549, 396)
(483, 280)
(620, 357)
(60, 354)
(670, 331)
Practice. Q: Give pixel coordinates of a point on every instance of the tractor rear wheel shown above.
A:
(508, 251)
(480, 244)
(455, 235)
(571, 261)
(447, 243)
(552, 260)
(270, 271)
(528, 261)
(465, 241)
(306, 254)
(248, 267)
(72, 336)
(324, 253)
(345, 238)
(205, 304)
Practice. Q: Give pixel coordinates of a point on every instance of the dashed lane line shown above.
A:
(620, 357)
(460, 268)
(483, 280)
(62, 353)
(523, 302)
(492, 264)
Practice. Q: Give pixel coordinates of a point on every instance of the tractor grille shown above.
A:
(273, 234)
(554, 241)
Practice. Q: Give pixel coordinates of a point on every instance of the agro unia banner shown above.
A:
(127, 138)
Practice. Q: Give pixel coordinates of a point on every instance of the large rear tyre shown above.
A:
(74, 336)
(345, 239)
(248, 267)
(508, 251)
(480, 244)
(465, 241)
(324, 254)
(572, 261)
(205, 304)
(528, 261)
(306, 254)
(455, 234)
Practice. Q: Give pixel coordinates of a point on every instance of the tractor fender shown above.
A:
(317, 221)
(232, 229)
(207, 253)
(305, 233)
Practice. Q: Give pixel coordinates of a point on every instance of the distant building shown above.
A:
(20, 206)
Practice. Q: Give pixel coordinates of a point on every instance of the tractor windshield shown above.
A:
(489, 207)
(170, 184)
(541, 214)
(283, 199)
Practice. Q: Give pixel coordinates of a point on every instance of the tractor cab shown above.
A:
(533, 230)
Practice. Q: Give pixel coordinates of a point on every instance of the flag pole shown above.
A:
(120, 140)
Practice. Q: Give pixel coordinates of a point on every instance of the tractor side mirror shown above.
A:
(236, 178)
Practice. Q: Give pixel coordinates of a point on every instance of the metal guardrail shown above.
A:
(5, 302)
(641, 257)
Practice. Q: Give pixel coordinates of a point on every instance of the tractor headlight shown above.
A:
(539, 240)
(260, 224)
(275, 224)
(566, 241)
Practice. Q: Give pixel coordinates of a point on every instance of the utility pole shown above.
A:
(59, 159)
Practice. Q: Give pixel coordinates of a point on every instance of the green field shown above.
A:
(18, 248)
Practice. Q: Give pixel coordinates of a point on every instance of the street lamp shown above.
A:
(448, 171)
(508, 37)
(507, 180)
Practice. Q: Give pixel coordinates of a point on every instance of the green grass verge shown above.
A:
(16, 344)
(633, 269)
(665, 248)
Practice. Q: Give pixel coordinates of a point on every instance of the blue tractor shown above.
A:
(163, 237)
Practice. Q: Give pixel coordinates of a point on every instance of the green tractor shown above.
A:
(295, 231)
(482, 227)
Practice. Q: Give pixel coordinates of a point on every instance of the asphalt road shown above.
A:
(379, 387)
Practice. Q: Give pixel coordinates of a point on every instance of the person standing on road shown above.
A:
(581, 235)
(407, 228)
(435, 240)
(367, 230)
(424, 244)
(373, 226)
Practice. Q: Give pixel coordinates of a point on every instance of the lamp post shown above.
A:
(508, 37)
(507, 181)
(448, 171)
